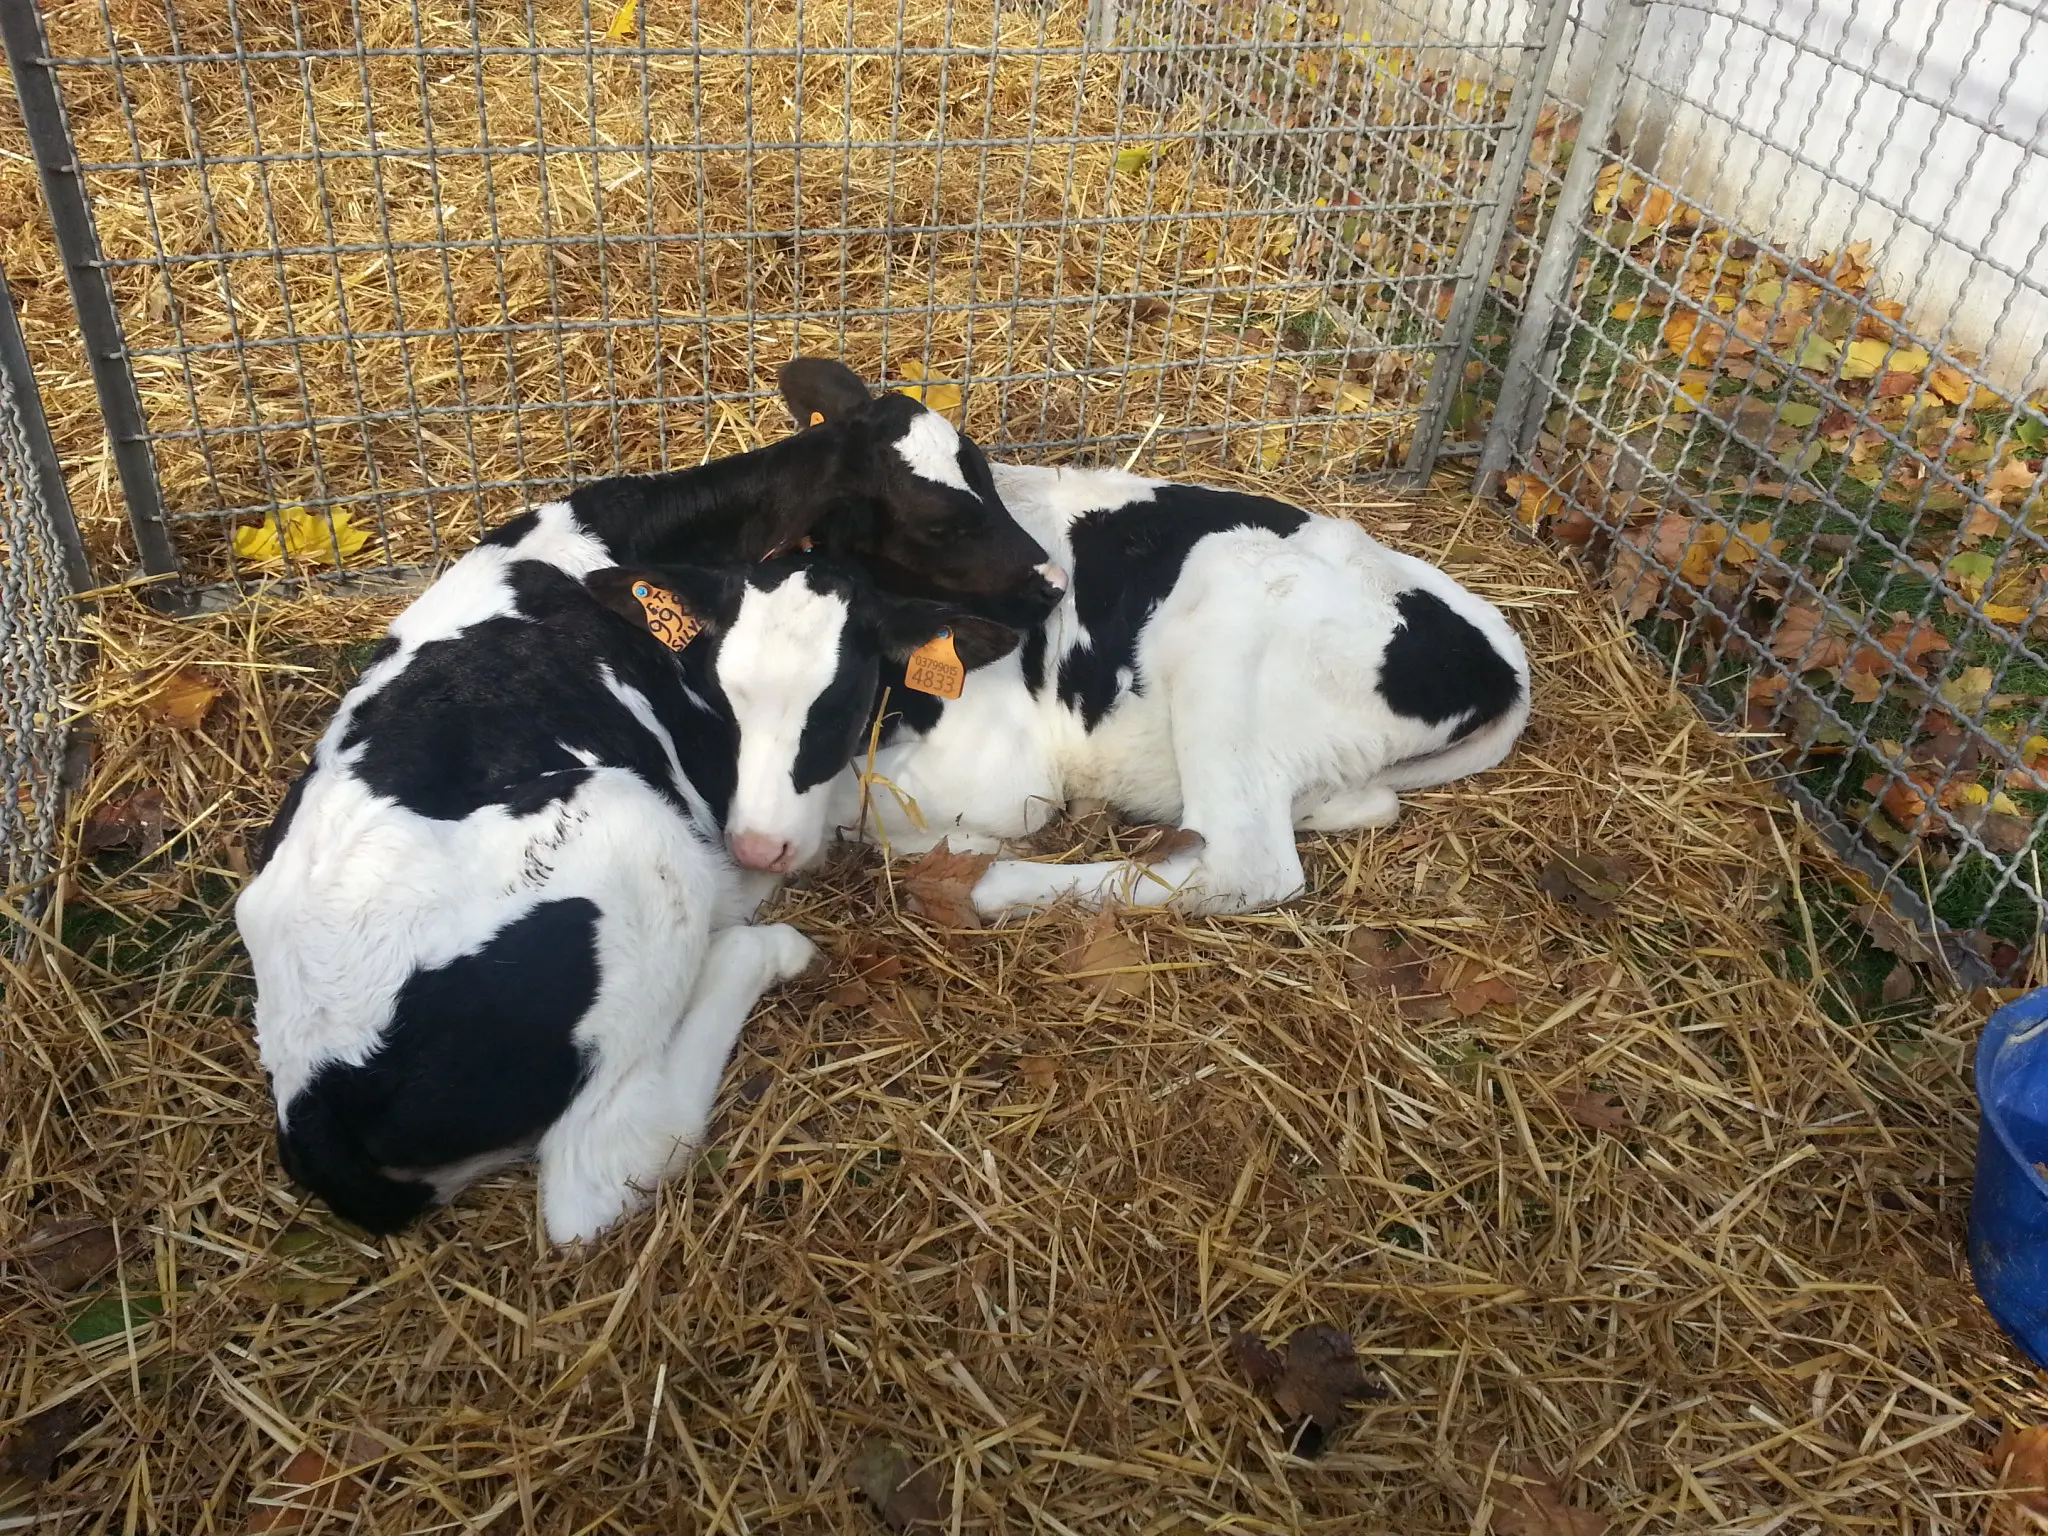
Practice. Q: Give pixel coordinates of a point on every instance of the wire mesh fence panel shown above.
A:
(1769, 351)
(39, 637)
(386, 274)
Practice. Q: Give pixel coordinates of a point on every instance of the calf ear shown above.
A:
(817, 386)
(976, 641)
(711, 595)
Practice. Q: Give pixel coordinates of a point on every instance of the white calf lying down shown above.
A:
(1221, 660)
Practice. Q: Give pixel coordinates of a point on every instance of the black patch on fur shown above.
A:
(1439, 666)
(281, 823)
(834, 728)
(514, 531)
(904, 709)
(1033, 659)
(489, 716)
(1126, 560)
(480, 1057)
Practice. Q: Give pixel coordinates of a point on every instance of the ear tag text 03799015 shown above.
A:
(667, 619)
(934, 668)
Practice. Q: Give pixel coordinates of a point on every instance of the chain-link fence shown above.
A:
(1768, 342)
(1740, 300)
(41, 565)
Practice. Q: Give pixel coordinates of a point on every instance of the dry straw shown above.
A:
(1628, 1209)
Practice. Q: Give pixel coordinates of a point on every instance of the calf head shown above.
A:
(914, 501)
(797, 645)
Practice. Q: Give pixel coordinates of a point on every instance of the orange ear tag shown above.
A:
(816, 417)
(934, 668)
(667, 619)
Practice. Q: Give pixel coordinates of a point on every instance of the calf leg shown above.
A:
(627, 1132)
(1351, 810)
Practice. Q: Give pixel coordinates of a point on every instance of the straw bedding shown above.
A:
(1611, 1202)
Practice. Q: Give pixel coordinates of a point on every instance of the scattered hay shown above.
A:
(1643, 1231)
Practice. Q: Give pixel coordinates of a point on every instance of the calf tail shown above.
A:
(319, 1151)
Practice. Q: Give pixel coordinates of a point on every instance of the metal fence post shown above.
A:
(1489, 229)
(63, 524)
(1540, 336)
(92, 294)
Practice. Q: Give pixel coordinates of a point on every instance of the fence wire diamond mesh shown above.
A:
(38, 657)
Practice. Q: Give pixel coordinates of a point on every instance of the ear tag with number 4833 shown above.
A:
(934, 668)
(667, 619)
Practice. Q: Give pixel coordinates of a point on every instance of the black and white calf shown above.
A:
(1222, 660)
(500, 914)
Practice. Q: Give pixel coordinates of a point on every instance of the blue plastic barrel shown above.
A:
(2009, 1204)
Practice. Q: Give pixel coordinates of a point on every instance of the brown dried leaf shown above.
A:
(1535, 1506)
(1255, 1357)
(940, 886)
(32, 1450)
(2003, 833)
(1382, 961)
(183, 699)
(1596, 1111)
(1322, 1375)
(1892, 933)
(1041, 1072)
(1489, 992)
(1900, 983)
(64, 1255)
(1100, 946)
(1982, 523)
(871, 963)
(312, 1489)
(1149, 311)
(1803, 639)
(1164, 843)
(1864, 687)
(2020, 1460)
(135, 821)
(905, 1495)
(1588, 883)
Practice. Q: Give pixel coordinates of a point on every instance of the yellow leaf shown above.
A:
(1689, 393)
(1605, 186)
(944, 398)
(183, 700)
(622, 24)
(1136, 158)
(1966, 692)
(1974, 794)
(2003, 804)
(1627, 309)
(1950, 385)
(308, 539)
(1354, 397)
(1865, 359)
(2033, 747)
(1272, 447)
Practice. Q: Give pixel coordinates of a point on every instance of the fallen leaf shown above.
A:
(316, 1272)
(939, 396)
(1535, 1506)
(183, 699)
(623, 24)
(1150, 311)
(307, 538)
(1903, 799)
(1157, 844)
(1969, 572)
(903, 1494)
(1803, 638)
(1588, 883)
(1382, 961)
(1478, 996)
(871, 963)
(31, 1452)
(1966, 692)
(940, 886)
(1900, 983)
(2003, 833)
(312, 1489)
(1100, 952)
(1982, 523)
(66, 1254)
(1041, 1072)
(114, 1313)
(1596, 1111)
(1135, 158)
(135, 821)
(2020, 1460)
(1864, 687)
(1892, 933)
(1950, 384)
(1311, 1383)
(2009, 483)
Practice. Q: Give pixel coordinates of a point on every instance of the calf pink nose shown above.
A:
(1054, 576)
(757, 850)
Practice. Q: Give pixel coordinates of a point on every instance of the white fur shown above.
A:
(932, 449)
(779, 655)
(1259, 715)
(360, 894)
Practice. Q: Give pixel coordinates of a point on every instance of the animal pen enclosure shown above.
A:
(1638, 1208)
